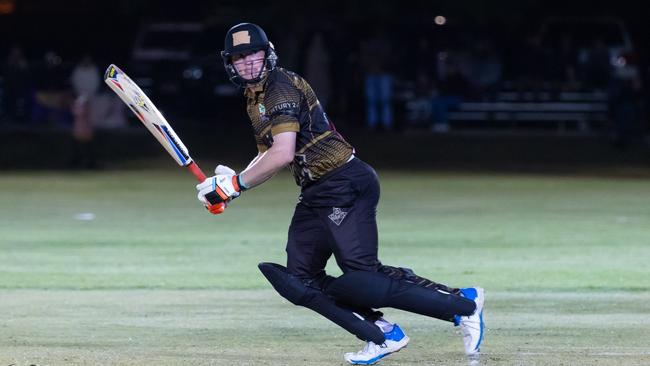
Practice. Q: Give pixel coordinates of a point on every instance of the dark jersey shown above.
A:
(287, 103)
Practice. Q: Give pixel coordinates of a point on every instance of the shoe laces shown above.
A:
(372, 347)
(468, 324)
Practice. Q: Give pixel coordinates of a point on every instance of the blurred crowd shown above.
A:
(364, 78)
(371, 81)
(50, 93)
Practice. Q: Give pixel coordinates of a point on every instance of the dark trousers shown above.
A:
(336, 215)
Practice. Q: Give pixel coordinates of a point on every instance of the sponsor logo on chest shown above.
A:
(262, 110)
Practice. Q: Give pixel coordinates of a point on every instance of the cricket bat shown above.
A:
(151, 118)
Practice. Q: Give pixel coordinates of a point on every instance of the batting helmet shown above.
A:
(246, 38)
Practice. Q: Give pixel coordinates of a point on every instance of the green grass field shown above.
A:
(156, 280)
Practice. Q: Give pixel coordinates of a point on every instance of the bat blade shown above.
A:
(153, 120)
(147, 113)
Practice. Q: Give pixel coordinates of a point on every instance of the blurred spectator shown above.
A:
(563, 65)
(107, 111)
(419, 104)
(531, 62)
(52, 97)
(317, 68)
(347, 80)
(85, 78)
(288, 48)
(17, 85)
(452, 91)
(625, 106)
(424, 64)
(423, 87)
(485, 69)
(376, 52)
(85, 81)
(597, 65)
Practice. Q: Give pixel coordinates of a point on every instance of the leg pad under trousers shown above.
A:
(298, 292)
(380, 289)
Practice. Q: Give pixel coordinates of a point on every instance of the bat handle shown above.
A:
(198, 173)
(200, 176)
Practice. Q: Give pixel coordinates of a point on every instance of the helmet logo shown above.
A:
(241, 37)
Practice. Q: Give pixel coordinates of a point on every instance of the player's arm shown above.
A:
(283, 101)
(271, 161)
(255, 159)
(227, 185)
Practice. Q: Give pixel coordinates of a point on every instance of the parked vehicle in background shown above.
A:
(178, 65)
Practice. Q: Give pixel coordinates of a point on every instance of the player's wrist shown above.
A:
(238, 181)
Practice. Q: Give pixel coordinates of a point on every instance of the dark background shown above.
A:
(207, 112)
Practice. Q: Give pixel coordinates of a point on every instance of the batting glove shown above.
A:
(223, 187)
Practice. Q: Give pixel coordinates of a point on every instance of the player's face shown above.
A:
(249, 66)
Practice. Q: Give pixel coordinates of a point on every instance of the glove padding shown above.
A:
(223, 187)
(223, 170)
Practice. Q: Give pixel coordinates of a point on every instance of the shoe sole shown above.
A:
(480, 294)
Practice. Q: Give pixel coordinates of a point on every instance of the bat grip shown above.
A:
(200, 176)
(198, 173)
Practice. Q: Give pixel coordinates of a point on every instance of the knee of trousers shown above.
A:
(290, 287)
(361, 289)
(299, 293)
(377, 290)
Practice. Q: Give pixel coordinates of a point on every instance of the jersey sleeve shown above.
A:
(261, 148)
(282, 103)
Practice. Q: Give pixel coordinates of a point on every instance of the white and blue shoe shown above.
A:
(472, 326)
(372, 353)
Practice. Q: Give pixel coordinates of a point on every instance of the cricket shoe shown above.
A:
(472, 326)
(372, 353)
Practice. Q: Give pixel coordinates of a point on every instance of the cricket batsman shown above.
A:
(335, 215)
